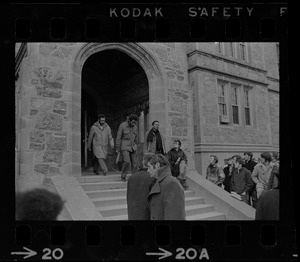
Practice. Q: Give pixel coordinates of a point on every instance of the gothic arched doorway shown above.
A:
(113, 84)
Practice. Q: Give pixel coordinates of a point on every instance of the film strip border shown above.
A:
(149, 22)
(177, 241)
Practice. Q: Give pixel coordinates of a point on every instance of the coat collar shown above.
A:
(98, 125)
(162, 174)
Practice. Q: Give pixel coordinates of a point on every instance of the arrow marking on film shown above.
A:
(28, 254)
(164, 254)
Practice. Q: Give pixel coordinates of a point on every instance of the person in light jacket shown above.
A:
(100, 136)
(261, 173)
(214, 172)
(126, 143)
(166, 198)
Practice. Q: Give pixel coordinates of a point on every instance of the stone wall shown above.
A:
(46, 112)
(205, 69)
(274, 117)
(173, 59)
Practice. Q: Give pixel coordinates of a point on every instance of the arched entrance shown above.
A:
(114, 78)
(113, 84)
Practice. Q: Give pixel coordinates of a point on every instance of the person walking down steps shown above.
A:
(100, 136)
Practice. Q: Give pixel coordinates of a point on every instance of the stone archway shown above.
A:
(49, 122)
(156, 81)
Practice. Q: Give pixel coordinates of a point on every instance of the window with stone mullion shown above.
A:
(247, 106)
(243, 51)
(221, 99)
(231, 49)
(235, 105)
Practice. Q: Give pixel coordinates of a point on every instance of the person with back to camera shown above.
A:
(38, 204)
(268, 204)
(138, 188)
(166, 198)
(178, 163)
(214, 172)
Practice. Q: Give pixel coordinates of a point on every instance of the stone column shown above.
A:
(141, 127)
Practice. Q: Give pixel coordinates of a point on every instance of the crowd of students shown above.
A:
(249, 180)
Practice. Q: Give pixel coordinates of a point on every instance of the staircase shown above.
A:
(108, 194)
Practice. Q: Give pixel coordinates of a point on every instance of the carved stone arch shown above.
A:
(139, 53)
(156, 76)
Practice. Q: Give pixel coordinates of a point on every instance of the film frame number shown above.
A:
(191, 253)
(56, 254)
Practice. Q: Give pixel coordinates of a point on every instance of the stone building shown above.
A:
(217, 98)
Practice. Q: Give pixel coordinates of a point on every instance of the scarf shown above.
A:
(155, 133)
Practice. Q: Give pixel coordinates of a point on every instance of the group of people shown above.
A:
(155, 190)
(126, 147)
(248, 180)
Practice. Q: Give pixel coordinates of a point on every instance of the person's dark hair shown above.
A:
(38, 204)
(236, 156)
(275, 155)
(154, 122)
(101, 116)
(133, 117)
(162, 160)
(150, 157)
(178, 141)
(240, 161)
(249, 154)
(276, 170)
(267, 156)
(215, 158)
(126, 114)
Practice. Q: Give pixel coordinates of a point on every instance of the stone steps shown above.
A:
(94, 194)
(108, 194)
(116, 210)
(121, 200)
(208, 216)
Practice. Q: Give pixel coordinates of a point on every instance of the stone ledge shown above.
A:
(221, 199)
(78, 204)
(215, 147)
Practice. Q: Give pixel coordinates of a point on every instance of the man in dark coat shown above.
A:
(250, 164)
(227, 172)
(178, 162)
(241, 181)
(166, 199)
(138, 188)
(154, 140)
(268, 204)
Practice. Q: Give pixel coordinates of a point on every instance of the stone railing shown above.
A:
(78, 206)
(221, 199)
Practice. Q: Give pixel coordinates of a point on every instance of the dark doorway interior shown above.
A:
(112, 84)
